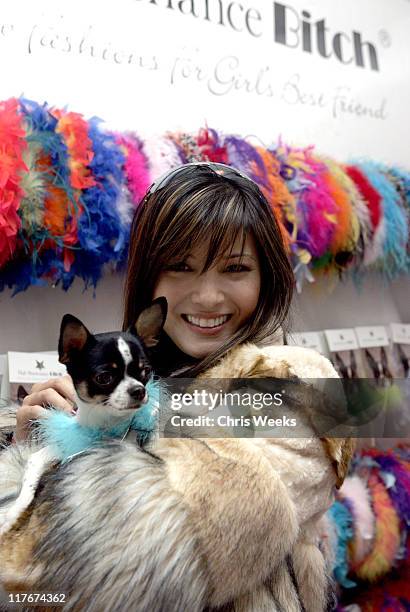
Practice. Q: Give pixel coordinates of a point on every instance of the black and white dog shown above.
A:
(110, 372)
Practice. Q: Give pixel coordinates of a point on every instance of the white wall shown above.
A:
(30, 321)
(321, 306)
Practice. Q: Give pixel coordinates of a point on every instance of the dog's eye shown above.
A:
(146, 373)
(104, 378)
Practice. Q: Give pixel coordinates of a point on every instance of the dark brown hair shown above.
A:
(198, 204)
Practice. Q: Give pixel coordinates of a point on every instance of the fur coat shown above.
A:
(192, 525)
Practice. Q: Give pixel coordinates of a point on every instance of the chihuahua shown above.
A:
(110, 372)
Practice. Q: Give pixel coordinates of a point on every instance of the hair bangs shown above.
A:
(212, 214)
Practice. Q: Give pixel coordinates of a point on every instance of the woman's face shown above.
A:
(205, 310)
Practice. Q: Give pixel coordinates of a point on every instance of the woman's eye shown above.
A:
(178, 267)
(237, 268)
(104, 378)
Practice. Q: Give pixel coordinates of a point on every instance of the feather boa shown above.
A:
(245, 157)
(342, 518)
(372, 199)
(211, 146)
(135, 167)
(396, 221)
(275, 190)
(51, 164)
(162, 155)
(387, 538)
(12, 148)
(360, 217)
(102, 234)
(318, 211)
(397, 481)
(354, 489)
(346, 233)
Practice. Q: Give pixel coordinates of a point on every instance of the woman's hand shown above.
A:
(57, 392)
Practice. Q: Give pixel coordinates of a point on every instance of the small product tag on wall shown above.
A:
(311, 340)
(341, 339)
(400, 333)
(374, 335)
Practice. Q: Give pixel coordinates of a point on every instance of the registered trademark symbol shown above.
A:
(385, 38)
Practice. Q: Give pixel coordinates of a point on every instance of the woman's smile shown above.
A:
(206, 324)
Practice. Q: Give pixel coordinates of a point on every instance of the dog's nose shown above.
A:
(138, 393)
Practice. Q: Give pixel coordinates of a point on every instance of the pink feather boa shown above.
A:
(355, 490)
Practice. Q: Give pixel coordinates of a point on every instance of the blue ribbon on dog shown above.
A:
(67, 437)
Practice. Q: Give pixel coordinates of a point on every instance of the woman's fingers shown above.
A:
(48, 397)
(26, 414)
(56, 392)
(63, 385)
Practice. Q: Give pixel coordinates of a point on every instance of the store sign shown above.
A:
(297, 30)
(292, 27)
(311, 71)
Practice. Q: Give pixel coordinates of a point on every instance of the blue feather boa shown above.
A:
(67, 437)
(340, 515)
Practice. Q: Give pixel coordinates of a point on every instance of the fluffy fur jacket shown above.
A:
(193, 525)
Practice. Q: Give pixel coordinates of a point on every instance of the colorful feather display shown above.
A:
(371, 519)
(69, 189)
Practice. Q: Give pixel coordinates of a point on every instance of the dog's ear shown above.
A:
(21, 394)
(150, 322)
(73, 336)
(340, 452)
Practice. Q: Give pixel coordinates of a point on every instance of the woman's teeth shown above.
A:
(207, 322)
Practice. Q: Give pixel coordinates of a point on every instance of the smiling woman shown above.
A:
(206, 238)
(192, 524)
